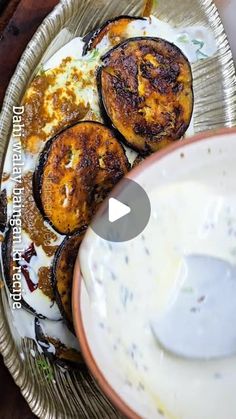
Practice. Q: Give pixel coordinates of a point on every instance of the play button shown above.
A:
(117, 210)
(124, 214)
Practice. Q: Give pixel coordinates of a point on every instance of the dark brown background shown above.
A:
(18, 21)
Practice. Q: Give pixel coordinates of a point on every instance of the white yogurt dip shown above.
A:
(131, 283)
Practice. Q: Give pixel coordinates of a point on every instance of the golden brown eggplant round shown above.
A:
(62, 274)
(76, 171)
(145, 86)
(115, 29)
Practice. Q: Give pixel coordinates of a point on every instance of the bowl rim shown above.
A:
(77, 277)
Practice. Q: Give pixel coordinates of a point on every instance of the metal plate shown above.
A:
(74, 394)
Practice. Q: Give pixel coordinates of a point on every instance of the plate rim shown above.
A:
(8, 348)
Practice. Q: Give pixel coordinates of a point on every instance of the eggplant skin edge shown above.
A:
(37, 176)
(107, 120)
(6, 260)
(54, 269)
(44, 342)
(3, 210)
(6, 257)
(105, 115)
(144, 38)
(38, 173)
(90, 37)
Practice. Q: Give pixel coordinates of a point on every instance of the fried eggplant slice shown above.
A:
(76, 171)
(58, 343)
(7, 258)
(115, 29)
(3, 210)
(145, 87)
(19, 275)
(66, 357)
(10, 267)
(62, 274)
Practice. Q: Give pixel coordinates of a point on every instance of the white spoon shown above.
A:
(200, 322)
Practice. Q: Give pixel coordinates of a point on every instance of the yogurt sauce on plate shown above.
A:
(129, 284)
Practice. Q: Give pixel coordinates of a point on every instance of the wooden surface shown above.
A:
(12, 404)
(18, 21)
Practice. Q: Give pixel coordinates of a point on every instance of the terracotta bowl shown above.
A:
(182, 156)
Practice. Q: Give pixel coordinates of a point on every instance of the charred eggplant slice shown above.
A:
(57, 343)
(76, 170)
(62, 274)
(36, 297)
(8, 267)
(115, 29)
(7, 259)
(66, 356)
(145, 86)
(3, 210)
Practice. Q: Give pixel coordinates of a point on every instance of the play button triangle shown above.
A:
(117, 210)
(123, 214)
